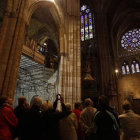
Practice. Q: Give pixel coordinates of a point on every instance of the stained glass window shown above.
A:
(123, 70)
(87, 23)
(131, 40)
(137, 67)
(90, 26)
(133, 68)
(82, 28)
(127, 69)
(86, 27)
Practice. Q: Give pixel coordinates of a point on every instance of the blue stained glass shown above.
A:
(88, 10)
(83, 7)
(86, 28)
(82, 28)
(87, 24)
(123, 70)
(131, 39)
(90, 26)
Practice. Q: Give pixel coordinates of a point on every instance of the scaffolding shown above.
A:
(34, 79)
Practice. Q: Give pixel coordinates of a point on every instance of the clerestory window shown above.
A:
(87, 23)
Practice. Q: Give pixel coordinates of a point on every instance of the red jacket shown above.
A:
(7, 120)
(80, 133)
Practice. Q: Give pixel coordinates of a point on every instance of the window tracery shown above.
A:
(125, 68)
(131, 40)
(134, 67)
(87, 24)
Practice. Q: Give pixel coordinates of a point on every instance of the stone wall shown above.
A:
(129, 84)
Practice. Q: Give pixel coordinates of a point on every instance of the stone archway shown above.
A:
(13, 28)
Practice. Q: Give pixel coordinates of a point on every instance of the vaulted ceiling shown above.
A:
(120, 16)
(42, 26)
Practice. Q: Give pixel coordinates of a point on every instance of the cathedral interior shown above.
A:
(78, 48)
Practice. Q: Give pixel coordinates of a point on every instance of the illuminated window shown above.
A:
(131, 40)
(135, 66)
(125, 68)
(87, 24)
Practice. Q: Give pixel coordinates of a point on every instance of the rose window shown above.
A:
(131, 40)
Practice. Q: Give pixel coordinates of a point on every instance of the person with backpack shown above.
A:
(106, 121)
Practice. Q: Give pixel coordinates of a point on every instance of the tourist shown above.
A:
(106, 121)
(69, 125)
(86, 120)
(7, 118)
(130, 122)
(77, 111)
(51, 119)
(20, 112)
(33, 121)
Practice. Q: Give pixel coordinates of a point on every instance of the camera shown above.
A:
(58, 96)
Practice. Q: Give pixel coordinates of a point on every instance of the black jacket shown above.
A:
(104, 125)
(51, 122)
(20, 112)
(32, 126)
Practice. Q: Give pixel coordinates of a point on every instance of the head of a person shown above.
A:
(22, 100)
(5, 99)
(77, 105)
(37, 101)
(103, 102)
(129, 99)
(126, 105)
(81, 107)
(46, 106)
(68, 106)
(88, 102)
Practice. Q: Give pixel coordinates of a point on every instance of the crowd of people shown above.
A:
(42, 121)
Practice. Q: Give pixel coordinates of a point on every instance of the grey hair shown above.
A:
(68, 106)
(37, 101)
(126, 105)
(87, 102)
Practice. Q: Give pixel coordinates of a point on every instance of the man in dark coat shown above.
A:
(20, 112)
(32, 126)
(106, 121)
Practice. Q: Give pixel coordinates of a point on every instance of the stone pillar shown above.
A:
(103, 47)
(70, 49)
(11, 48)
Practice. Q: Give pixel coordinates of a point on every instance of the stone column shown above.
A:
(70, 49)
(103, 47)
(12, 49)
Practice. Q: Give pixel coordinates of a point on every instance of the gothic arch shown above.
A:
(58, 17)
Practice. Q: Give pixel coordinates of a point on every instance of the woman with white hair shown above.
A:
(130, 122)
(51, 119)
(33, 121)
(69, 125)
